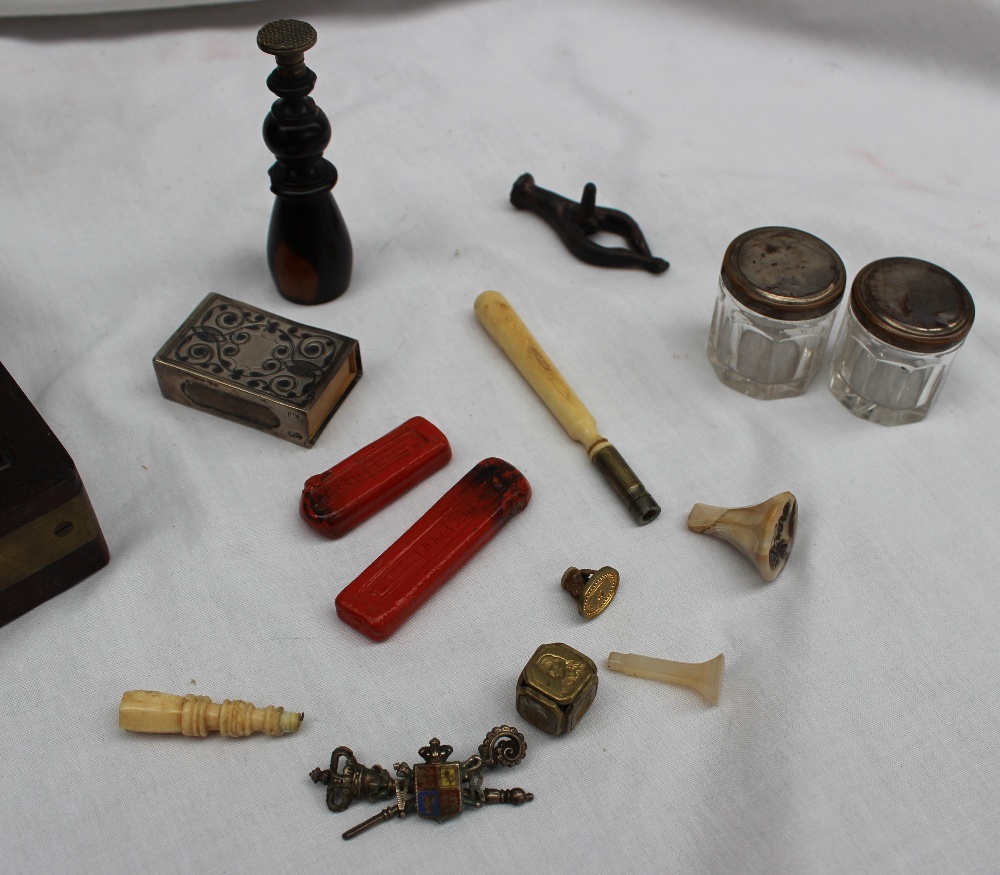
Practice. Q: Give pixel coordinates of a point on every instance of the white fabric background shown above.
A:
(81, 7)
(857, 726)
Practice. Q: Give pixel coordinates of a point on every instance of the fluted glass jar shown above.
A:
(906, 322)
(778, 294)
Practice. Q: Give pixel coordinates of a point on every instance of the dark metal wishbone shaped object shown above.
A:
(575, 223)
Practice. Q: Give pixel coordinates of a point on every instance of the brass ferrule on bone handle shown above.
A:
(503, 324)
(150, 711)
(705, 678)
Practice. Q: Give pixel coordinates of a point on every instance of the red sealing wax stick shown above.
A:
(390, 590)
(337, 500)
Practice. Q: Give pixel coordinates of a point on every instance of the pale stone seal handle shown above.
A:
(763, 533)
(705, 678)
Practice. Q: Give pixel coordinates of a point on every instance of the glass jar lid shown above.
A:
(912, 304)
(784, 273)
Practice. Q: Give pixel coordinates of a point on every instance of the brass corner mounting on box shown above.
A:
(258, 369)
(49, 535)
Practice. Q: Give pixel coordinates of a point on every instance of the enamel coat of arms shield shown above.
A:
(438, 788)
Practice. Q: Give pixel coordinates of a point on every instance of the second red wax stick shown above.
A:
(391, 589)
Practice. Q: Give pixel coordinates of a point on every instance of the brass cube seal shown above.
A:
(556, 688)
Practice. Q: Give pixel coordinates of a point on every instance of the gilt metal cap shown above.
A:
(286, 36)
(784, 273)
(288, 40)
(912, 304)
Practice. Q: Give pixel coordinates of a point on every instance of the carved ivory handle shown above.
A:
(149, 711)
(503, 324)
(703, 677)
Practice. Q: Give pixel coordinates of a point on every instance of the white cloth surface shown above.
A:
(84, 7)
(857, 726)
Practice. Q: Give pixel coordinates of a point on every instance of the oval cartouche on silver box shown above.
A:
(906, 322)
(778, 294)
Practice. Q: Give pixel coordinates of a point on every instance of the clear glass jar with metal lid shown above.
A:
(778, 294)
(906, 322)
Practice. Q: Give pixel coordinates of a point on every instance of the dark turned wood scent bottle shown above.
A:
(308, 247)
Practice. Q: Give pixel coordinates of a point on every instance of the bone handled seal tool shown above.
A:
(503, 324)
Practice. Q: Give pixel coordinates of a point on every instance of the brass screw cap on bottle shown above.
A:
(784, 273)
(593, 590)
(912, 304)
